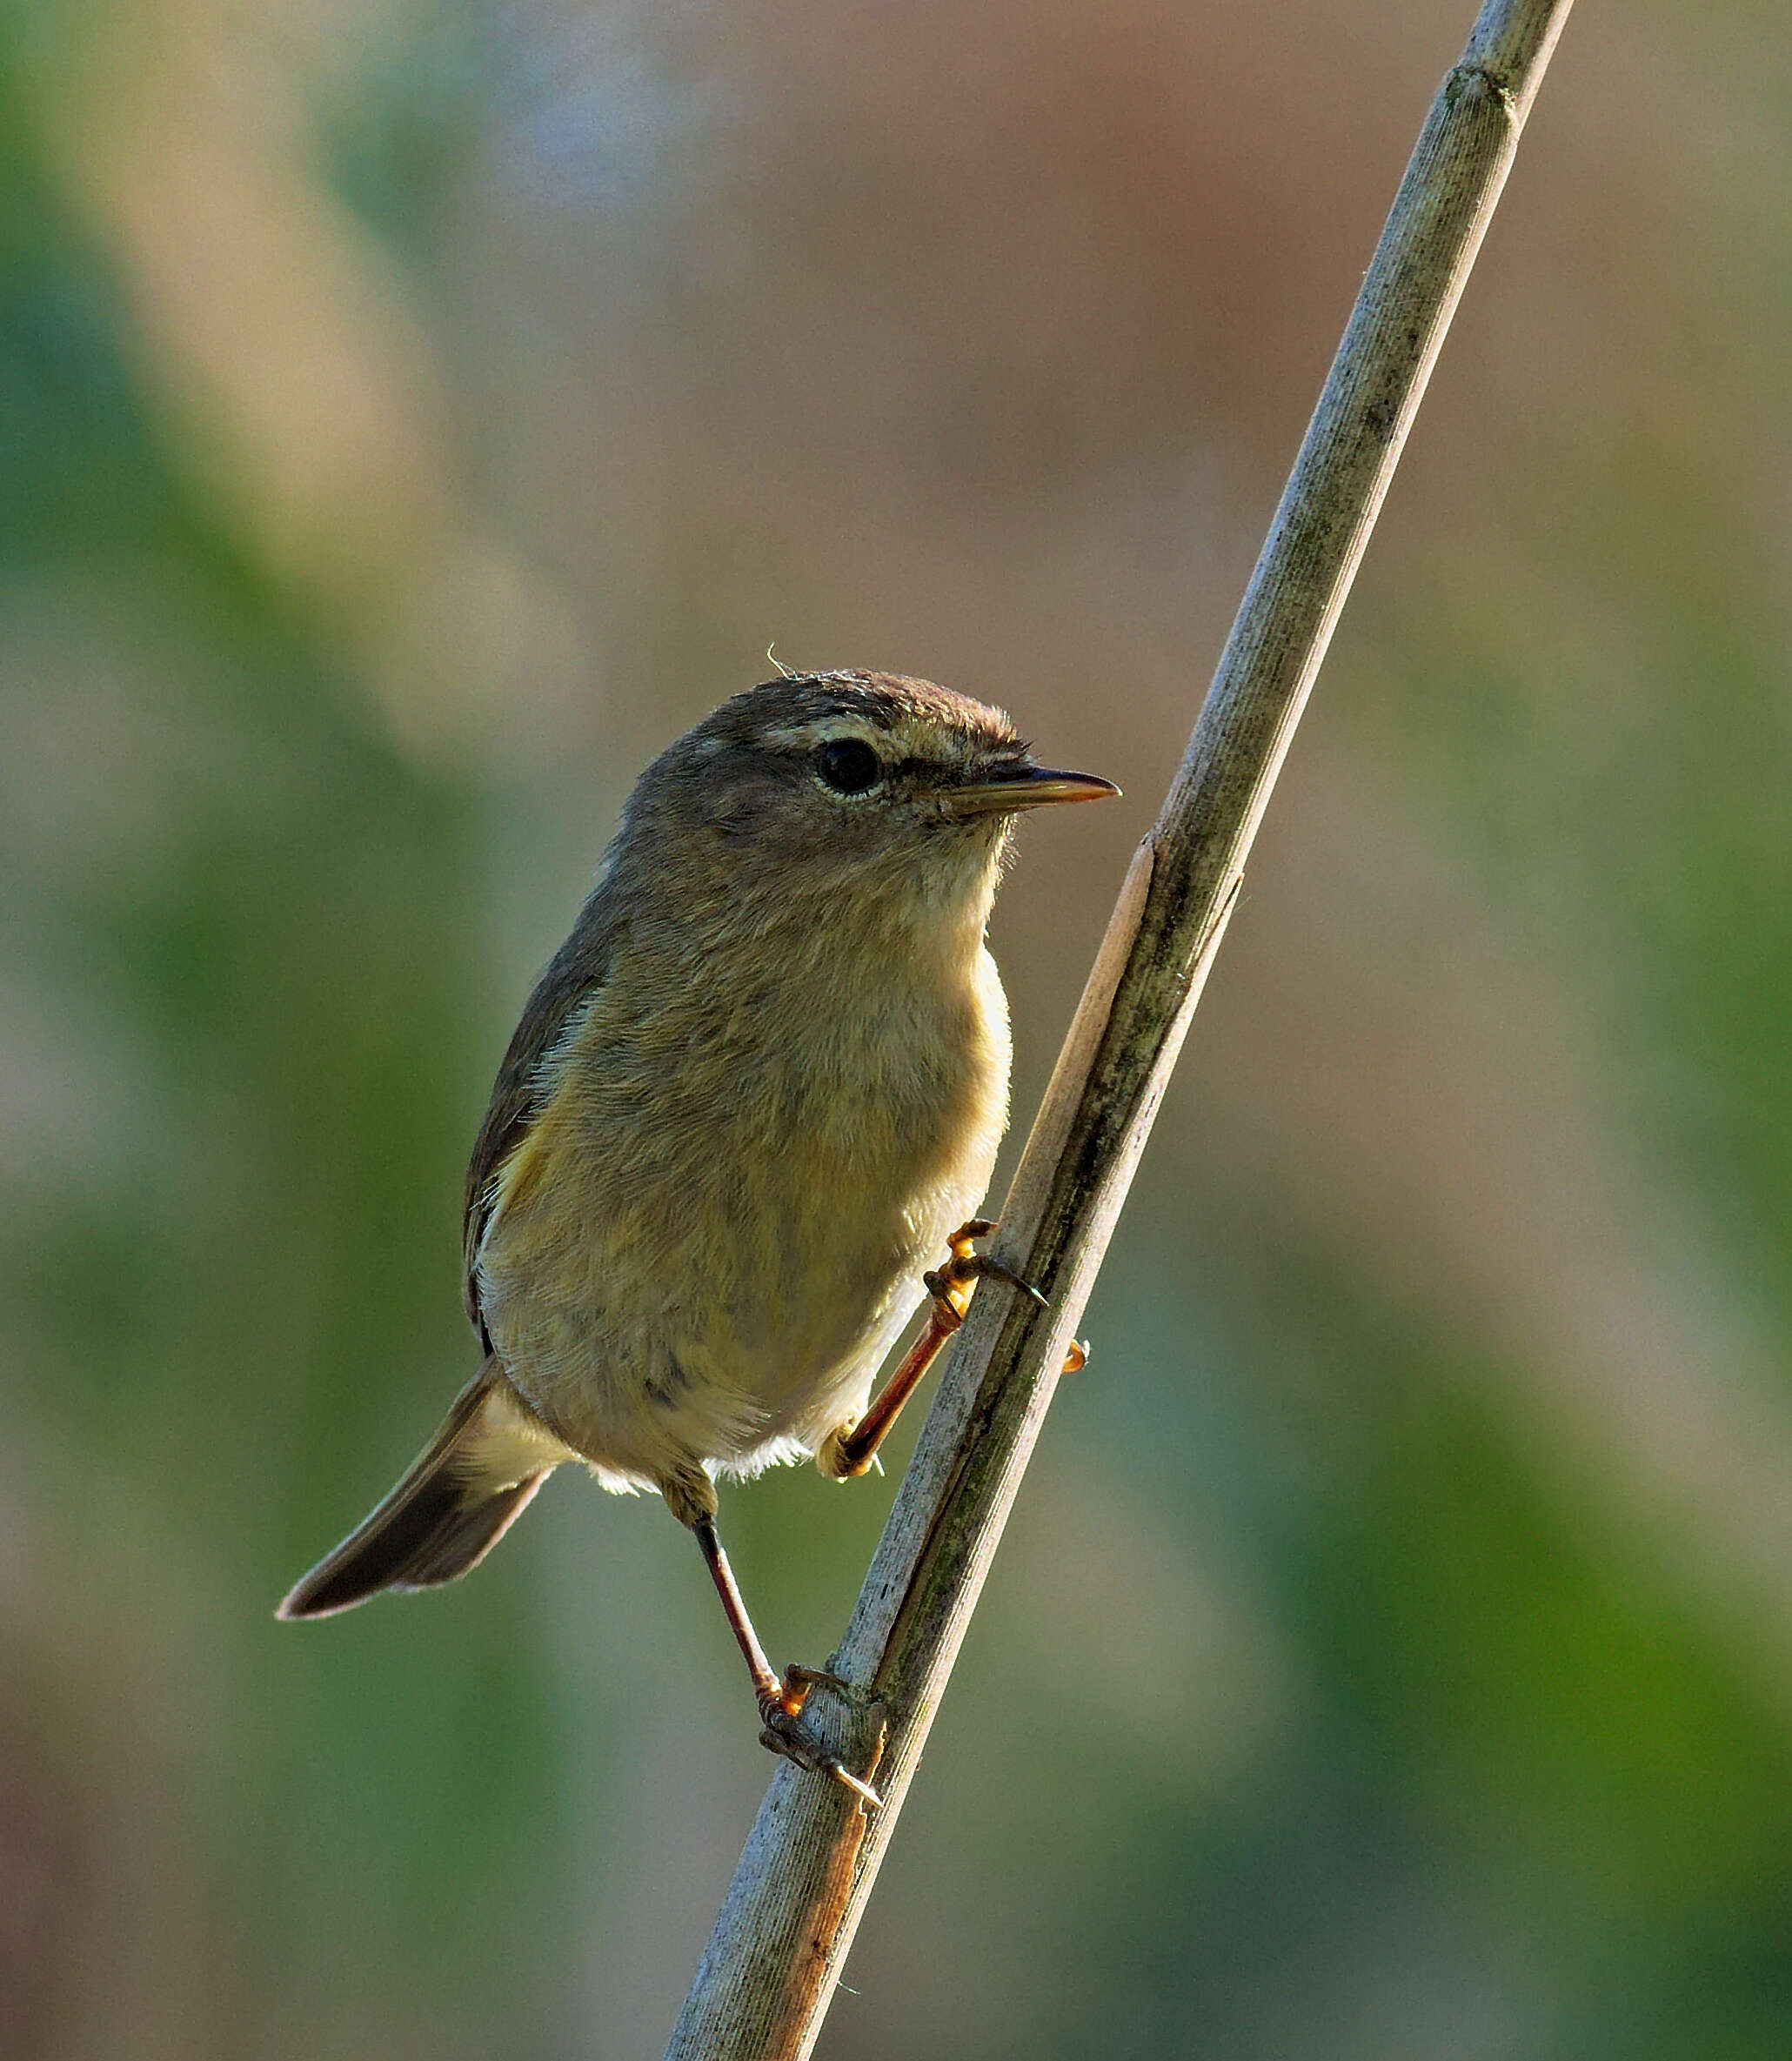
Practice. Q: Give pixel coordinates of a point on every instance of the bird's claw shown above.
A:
(784, 1731)
(945, 1283)
(790, 1695)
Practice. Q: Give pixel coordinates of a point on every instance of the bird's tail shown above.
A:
(459, 1497)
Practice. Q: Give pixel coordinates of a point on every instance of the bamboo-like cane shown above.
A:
(768, 1975)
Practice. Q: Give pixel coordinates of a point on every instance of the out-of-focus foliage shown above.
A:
(410, 418)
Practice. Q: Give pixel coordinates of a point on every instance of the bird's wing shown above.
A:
(575, 970)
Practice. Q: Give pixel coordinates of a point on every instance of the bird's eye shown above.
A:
(849, 765)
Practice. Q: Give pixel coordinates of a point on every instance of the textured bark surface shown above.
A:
(766, 1979)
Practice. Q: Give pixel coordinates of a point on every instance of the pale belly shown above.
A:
(714, 1271)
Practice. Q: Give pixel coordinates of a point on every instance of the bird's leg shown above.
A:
(781, 1701)
(849, 1449)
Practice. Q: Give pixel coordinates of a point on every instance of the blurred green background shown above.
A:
(410, 417)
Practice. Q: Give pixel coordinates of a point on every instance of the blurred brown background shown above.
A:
(411, 415)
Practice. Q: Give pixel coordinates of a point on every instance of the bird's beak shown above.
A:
(1031, 789)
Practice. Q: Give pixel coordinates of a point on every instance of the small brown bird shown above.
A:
(757, 1088)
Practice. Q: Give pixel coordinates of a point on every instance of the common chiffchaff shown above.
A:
(756, 1091)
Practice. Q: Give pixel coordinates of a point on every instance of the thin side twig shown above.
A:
(770, 1969)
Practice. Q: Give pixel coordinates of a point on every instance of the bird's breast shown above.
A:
(733, 1187)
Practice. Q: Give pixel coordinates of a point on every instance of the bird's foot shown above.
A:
(784, 1731)
(851, 1446)
(950, 1286)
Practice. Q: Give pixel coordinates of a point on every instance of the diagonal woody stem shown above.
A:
(766, 1978)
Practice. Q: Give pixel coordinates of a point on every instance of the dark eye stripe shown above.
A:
(933, 772)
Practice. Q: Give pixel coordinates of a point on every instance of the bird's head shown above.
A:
(863, 783)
